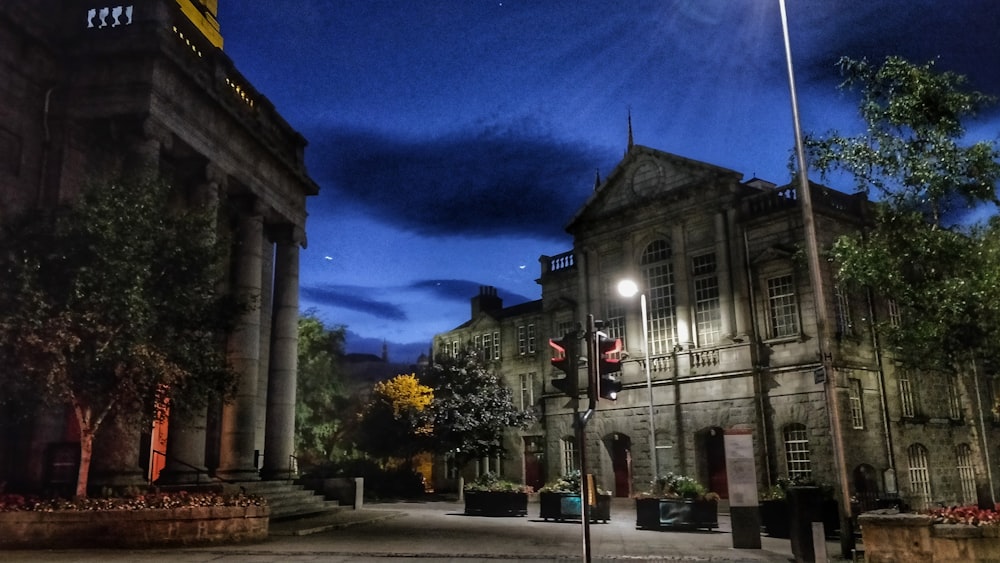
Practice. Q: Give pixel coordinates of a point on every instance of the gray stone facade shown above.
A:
(91, 86)
(733, 346)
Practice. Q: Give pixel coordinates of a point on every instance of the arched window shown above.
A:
(797, 452)
(966, 474)
(920, 480)
(658, 277)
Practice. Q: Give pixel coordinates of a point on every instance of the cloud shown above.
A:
(352, 298)
(479, 182)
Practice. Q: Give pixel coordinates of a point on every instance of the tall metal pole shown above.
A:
(649, 386)
(816, 277)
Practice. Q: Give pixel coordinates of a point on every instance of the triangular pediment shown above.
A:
(645, 175)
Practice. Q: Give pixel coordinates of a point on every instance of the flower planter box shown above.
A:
(775, 517)
(567, 506)
(890, 537)
(666, 513)
(496, 503)
(134, 528)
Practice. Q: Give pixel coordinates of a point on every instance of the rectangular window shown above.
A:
(662, 323)
(920, 480)
(906, 402)
(522, 340)
(708, 313)
(487, 347)
(857, 407)
(614, 315)
(782, 308)
(527, 390)
(531, 339)
(569, 460)
(954, 398)
(895, 317)
(496, 345)
(454, 348)
(842, 308)
(797, 452)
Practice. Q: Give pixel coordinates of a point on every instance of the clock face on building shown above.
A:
(645, 179)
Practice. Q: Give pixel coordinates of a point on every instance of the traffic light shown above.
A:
(564, 359)
(609, 361)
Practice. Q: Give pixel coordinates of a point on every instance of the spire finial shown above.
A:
(630, 141)
(597, 179)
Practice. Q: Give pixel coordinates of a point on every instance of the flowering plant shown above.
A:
(491, 482)
(10, 502)
(672, 485)
(568, 483)
(971, 515)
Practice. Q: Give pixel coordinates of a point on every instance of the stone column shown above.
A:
(279, 438)
(144, 158)
(723, 270)
(682, 281)
(185, 461)
(236, 451)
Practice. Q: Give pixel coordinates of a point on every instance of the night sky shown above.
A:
(453, 139)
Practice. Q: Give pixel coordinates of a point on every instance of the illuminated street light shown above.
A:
(628, 288)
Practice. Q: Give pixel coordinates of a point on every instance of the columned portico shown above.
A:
(236, 450)
(279, 440)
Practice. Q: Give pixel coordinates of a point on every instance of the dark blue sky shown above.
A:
(453, 139)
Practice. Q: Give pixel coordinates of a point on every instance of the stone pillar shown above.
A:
(738, 284)
(279, 437)
(144, 158)
(723, 271)
(236, 450)
(185, 461)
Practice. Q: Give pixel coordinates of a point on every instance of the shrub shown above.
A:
(149, 501)
(491, 482)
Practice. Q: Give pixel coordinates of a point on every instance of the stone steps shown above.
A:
(286, 499)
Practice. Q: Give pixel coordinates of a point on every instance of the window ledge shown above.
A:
(784, 340)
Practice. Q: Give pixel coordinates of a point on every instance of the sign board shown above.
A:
(741, 468)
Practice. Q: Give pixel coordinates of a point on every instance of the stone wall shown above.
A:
(892, 537)
(134, 528)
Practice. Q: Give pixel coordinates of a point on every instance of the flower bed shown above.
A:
(676, 501)
(560, 500)
(132, 522)
(489, 495)
(890, 536)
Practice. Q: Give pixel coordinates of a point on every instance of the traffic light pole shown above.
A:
(580, 421)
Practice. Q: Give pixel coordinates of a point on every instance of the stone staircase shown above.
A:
(286, 499)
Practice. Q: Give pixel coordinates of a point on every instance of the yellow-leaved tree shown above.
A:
(396, 422)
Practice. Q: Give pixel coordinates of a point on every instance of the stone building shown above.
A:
(732, 347)
(150, 80)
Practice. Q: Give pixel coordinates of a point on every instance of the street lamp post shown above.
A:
(628, 288)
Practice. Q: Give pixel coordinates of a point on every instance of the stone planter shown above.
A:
(134, 528)
(496, 503)
(566, 506)
(666, 513)
(889, 537)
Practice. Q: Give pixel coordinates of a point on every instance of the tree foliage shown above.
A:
(472, 407)
(320, 400)
(922, 251)
(112, 307)
(395, 422)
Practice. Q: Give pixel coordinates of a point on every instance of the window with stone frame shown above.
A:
(658, 279)
(797, 455)
(782, 307)
(895, 315)
(857, 406)
(526, 339)
(496, 345)
(707, 307)
(907, 401)
(614, 315)
(569, 457)
(527, 381)
(454, 348)
(842, 312)
(954, 397)
(966, 474)
(920, 480)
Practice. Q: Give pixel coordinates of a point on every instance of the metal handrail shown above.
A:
(198, 471)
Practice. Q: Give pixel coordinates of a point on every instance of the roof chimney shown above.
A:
(487, 301)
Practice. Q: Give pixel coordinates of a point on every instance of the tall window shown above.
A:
(782, 309)
(527, 390)
(454, 348)
(487, 346)
(966, 475)
(843, 311)
(920, 481)
(658, 277)
(906, 402)
(614, 316)
(707, 311)
(857, 407)
(954, 399)
(522, 339)
(569, 455)
(797, 452)
(496, 345)
(895, 317)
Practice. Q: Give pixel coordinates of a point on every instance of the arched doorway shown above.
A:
(621, 462)
(711, 460)
(865, 481)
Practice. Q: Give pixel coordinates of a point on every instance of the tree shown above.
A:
(320, 402)
(472, 408)
(395, 422)
(923, 250)
(112, 307)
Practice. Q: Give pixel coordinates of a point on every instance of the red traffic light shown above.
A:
(609, 351)
(562, 359)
